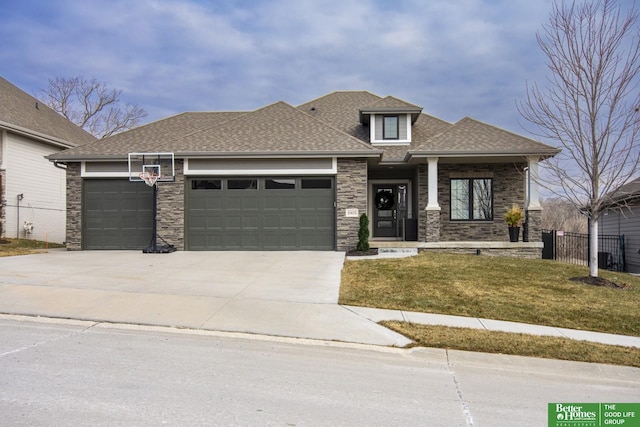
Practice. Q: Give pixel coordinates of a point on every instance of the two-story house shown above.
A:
(32, 190)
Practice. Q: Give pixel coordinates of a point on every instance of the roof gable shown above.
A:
(277, 128)
(470, 136)
(22, 113)
(391, 102)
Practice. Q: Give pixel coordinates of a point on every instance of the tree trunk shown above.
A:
(593, 248)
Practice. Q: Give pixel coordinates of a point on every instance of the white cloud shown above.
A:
(469, 57)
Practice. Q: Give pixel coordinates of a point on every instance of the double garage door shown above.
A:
(264, 213)
(260, 213)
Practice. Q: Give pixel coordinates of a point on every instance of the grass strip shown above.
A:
(515, 344)
(12, 247)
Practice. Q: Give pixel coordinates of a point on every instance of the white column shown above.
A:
(432, 181)
(533, 185)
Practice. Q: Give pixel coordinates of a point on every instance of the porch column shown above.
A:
(433, 208)
(533, 184)
(533, 209)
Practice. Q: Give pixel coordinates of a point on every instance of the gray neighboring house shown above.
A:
(624, 218)
(32, 190)
(295, 178)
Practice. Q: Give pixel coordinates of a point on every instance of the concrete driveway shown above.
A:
(291, 294)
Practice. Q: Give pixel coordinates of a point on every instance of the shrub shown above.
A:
(363, 234)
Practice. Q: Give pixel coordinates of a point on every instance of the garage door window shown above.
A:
(280, 184)
(206, 184)
(316, 183)
(242, 184)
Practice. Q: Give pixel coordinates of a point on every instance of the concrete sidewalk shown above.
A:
(289, 294)
(378, 315)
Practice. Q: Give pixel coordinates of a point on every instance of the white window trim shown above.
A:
(372, 131)
(333, 170)
(86, 174)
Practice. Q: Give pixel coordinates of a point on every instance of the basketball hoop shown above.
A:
(149, 178)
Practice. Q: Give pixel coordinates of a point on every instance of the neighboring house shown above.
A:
(623, 217)
(32, 189)
(284, 177)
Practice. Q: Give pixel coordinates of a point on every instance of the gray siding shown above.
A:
(627, 222)
(402, 123)
(378, 133)
(402, 120)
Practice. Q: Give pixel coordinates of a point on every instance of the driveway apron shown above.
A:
(291, 294)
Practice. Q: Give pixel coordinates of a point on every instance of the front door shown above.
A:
(389, 209)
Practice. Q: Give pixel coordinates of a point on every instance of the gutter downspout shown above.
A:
(57, 164)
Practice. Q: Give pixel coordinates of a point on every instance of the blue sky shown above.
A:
(453, 58)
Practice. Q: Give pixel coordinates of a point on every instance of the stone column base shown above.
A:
(433, 224)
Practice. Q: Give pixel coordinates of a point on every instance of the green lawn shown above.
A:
(529, 291)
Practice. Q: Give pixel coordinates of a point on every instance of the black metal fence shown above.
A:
(573, 248)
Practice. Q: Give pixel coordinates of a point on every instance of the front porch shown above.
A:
(527, 250)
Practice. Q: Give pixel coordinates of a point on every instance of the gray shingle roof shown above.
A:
(329, 125)
(393, 103)
(275, 129)
(627, 193)
(160, 136)
(22, 113)
(342, 110)
(472, 137)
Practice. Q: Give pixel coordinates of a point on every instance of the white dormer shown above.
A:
(390, 121)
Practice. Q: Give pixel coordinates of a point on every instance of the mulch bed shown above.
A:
(599, 281)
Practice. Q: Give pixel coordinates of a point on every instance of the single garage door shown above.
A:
(260, 213)
(117, 214)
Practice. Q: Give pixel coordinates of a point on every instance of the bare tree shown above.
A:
(559, 214)
(589, 105)
(91, 105)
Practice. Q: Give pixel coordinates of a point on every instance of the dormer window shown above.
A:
(390, 127)
(389, 121)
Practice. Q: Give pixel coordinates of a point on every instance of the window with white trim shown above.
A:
(471, 199)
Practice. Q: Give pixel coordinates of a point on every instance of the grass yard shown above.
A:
(519, 344)
(529, 291)
(11, 247)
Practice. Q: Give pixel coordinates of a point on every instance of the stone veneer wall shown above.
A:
(508, 188)
(423, 197)
(74, 207)
(534, 224)
(351, 188)
(524, 253)
(171, 209)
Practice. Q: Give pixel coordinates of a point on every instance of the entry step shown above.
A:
(403, 251)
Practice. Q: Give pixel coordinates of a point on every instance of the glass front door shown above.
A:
(389, 209)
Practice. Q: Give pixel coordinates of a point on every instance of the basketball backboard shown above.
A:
(160, 165)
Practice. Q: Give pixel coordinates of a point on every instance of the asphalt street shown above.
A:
(88, 373)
